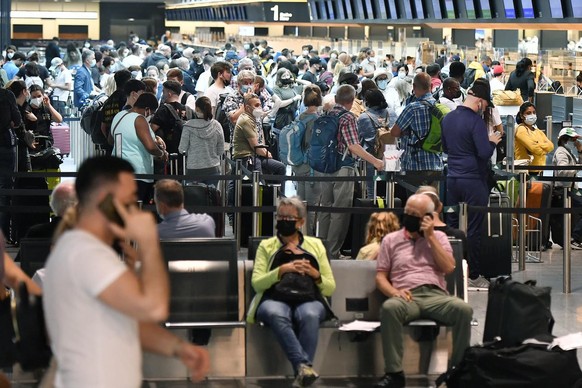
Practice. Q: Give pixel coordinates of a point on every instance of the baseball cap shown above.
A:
(348, 79)
(456, 58)
(497, 70)
(481, 89)
(569, 132)
(314, 61)
(230, 55)
(55, 62)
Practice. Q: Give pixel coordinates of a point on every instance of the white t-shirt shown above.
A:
(214, 92)
(202, 83)
(94, 345)
(496, 84)
(64, 77)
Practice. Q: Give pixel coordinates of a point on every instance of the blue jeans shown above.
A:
(296, 328)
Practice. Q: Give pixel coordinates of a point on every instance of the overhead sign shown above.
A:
(286, 12)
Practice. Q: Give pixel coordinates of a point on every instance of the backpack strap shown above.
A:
(429, 106)
(185, 97)
(172, 111)
(119, 122)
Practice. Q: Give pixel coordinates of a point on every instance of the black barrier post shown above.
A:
(237, 202)
(510, 141)
(363, 172)
(567, 287)
(522, 220)
(256, 195)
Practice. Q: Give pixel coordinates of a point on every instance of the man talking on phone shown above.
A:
(411, 269)
(101, 312)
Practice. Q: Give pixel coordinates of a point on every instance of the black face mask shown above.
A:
(411, 223)
(286, 228)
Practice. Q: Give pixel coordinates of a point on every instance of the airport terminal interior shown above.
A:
(379, 38)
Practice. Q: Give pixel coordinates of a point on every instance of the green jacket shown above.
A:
(264, 277)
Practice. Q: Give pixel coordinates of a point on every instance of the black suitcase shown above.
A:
(517, 311)
(495, 248)
(21, 222)
(527, 366)
(267, 195)
(199, 194)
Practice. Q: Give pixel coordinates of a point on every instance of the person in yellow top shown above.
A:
(529, 140)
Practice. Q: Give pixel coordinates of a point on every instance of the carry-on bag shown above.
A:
(495, 248)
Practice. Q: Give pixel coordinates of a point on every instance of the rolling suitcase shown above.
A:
(267, 197)
(61, 137)
(199, 194)
(539, 195)
(495, 245)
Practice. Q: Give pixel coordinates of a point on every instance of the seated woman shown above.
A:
(530, 142)
(291, 276)
(380, 224)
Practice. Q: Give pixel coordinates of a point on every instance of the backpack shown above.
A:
(468, 78)
(381, 138)
(185, 97)
(173, 135)
(222, 117)
(92, 117)
(292, 149)
(432, 141)
(323, 155)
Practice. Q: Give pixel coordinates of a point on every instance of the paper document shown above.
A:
(568, 342)
(360, 326)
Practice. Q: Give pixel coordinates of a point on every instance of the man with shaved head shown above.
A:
(411, 269)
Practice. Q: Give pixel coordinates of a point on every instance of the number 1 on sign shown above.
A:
(275, 10)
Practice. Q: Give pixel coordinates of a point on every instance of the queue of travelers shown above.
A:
(170, 102)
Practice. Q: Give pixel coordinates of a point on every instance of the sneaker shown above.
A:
(479, 283)
(391, 380)
(575, 244)
(305, 376)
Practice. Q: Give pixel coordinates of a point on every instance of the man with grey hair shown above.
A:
(83, 82)
(333, 227)
(246, 64)
(62, 198)
(412, 264)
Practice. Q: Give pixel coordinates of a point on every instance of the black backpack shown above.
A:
(184, 98)
(222, 117)
(468, 78)
(92, 117)
(173, 135)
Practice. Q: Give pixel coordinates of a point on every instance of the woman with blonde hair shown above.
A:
(380, 224)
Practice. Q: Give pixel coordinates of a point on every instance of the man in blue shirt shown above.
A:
(413, 124)
(13, 65)
(83, 79)
(177, 222)
(469, 147)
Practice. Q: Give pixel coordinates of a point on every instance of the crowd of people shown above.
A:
(167, 100)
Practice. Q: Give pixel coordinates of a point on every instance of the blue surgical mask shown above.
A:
(382, 84)
(244, 89)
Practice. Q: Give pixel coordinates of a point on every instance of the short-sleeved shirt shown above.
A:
(113, 106)
(410, 263)
(348, 128)
(232, 102)
(414, 121)
(94, 344)
(181, 224)
(245, 128)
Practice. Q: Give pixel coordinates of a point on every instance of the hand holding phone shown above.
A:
(108, 209)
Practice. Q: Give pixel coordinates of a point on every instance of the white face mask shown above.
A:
(36, 102)
(125, 53)
(359, 88)
(93, 63)
(87, 45)
(258, 113)
(530, 119)
(305, 53)
(334, 56)
(401, 74)
(9, 55)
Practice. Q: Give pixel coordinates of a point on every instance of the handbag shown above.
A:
(294, 288)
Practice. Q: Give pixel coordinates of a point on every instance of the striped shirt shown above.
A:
(414, 122)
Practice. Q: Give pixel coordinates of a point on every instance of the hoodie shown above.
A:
(203, 142)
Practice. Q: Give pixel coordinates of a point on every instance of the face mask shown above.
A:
(125, 53)
(334, 56)
(9, 55)
(305, 53)
(286, 228)
(93, 63)
(225, 81)
(458, 94)
(244, 89)
(135, 39)
(87, 45)
(36, 102)
(382, 84)
(401, 74)
(486, 68)
(530, 119)
(411, 223)
(480, 110)
(359, 89)
(372, 59)
(258, 113)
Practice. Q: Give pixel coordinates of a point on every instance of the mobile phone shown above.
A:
(421, 232)
(108, 209)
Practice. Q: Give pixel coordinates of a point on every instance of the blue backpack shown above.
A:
(323, 155)
(292, 149)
